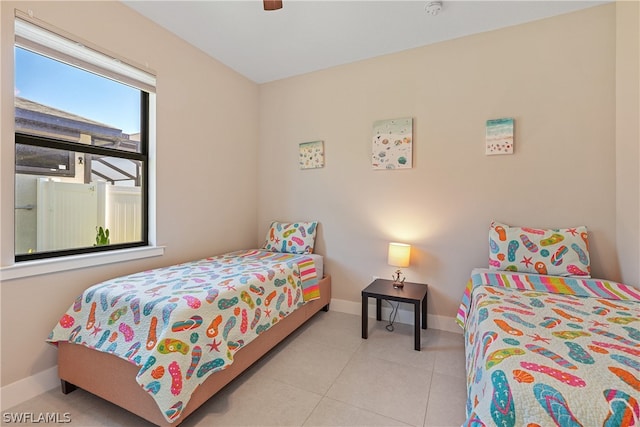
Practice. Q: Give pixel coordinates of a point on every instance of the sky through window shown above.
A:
(58, 85)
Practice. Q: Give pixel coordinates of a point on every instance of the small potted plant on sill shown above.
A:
(102, 236)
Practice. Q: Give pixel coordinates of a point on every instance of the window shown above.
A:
(81, 145)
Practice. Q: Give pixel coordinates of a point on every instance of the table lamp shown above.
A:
(399, 254)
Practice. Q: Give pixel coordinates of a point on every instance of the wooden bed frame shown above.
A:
(114, 379)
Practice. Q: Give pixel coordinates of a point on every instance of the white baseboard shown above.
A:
(30, 387)
(405, 315)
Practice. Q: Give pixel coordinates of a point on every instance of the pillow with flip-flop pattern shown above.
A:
(291, 237)
(556, 252)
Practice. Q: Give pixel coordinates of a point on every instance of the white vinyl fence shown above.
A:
(69, 213)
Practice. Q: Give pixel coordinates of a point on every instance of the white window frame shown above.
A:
(60, 45)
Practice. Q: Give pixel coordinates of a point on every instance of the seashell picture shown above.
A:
(311, 155)
(392, 145)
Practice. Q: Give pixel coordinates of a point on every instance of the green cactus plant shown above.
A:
(102, 236)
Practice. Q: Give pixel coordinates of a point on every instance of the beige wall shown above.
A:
(627, 138)
(555, 77)
(206, 160)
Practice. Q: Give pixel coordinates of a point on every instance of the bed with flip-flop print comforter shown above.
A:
(182, 323)
(546, 350)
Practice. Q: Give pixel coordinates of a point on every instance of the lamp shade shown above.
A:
(399, 254)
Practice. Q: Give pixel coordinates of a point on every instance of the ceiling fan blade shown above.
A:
(272, 4)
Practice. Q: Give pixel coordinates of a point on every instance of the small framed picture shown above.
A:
(499, 137)
(392, 145)
(311, 155)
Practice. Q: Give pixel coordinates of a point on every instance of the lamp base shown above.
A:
(398, 280)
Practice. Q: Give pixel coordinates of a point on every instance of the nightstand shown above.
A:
(412, 293)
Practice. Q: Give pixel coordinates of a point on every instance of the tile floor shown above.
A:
(324, 374)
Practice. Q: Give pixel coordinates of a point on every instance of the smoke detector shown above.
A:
(433, 8)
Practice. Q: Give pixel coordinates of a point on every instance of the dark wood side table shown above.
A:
(412, 293)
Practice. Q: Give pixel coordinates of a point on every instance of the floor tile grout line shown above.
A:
(353, 354)
(426, 409)
(360, 407)
(324, 395)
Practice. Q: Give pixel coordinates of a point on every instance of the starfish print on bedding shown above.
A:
(526, 261)
(537, 337)
(96, 329)
(214, 346)
(600, 324)
(267, 312)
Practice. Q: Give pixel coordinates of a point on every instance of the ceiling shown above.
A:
(310, 35)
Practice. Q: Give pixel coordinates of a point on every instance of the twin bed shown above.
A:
(546, 344)
(160, 343)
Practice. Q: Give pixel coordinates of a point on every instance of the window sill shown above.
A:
(46, 266)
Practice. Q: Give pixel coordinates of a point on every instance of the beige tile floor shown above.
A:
(324, 374)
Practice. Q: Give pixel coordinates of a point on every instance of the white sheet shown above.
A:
(319, 261)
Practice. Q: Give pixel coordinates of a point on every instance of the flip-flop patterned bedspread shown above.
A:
(544, 351)
(181, 323)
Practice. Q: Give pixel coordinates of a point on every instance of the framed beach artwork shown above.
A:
(499, 137)
(311, 155)
(392, 145)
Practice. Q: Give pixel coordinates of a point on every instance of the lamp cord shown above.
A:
(392, 315)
